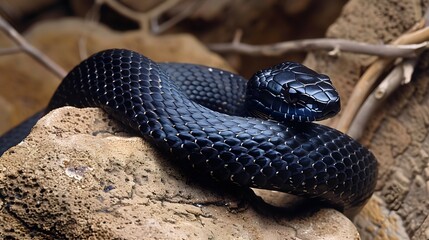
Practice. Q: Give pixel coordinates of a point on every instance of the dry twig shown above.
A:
(337, 45)
(158, 28)
(10, 50)
(401, 74)
(26, 47)
(148, 21)
(91, 19)
(369, 79)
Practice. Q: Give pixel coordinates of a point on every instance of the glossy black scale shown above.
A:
(305, 159)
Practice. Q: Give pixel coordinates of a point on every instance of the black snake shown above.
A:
(205, 125)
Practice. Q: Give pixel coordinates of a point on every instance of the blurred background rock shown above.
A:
(261, 22)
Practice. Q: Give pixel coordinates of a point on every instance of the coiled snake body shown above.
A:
(304, 158)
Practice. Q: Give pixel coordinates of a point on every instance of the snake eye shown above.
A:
(291, 95)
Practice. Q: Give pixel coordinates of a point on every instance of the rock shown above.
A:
(79, 175)
(398, 134)
(28, 86)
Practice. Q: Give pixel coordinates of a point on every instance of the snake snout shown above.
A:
(331, 110)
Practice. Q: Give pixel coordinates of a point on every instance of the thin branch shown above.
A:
(10, 50)
(30, 50)
(143, 19)
(369, 79)
(148, 21)
(159, 28)
(238, 35)
(401, 74)
(162, 8)
(322, 44)
(91, 19)
(123, 10)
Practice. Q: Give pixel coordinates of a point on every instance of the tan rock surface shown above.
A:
(398, 133)
(80, 175)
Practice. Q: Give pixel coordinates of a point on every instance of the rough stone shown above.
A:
(79, 175)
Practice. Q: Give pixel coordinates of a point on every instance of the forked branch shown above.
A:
(25, 46)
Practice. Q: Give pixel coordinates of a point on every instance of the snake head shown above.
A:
(291, 92)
